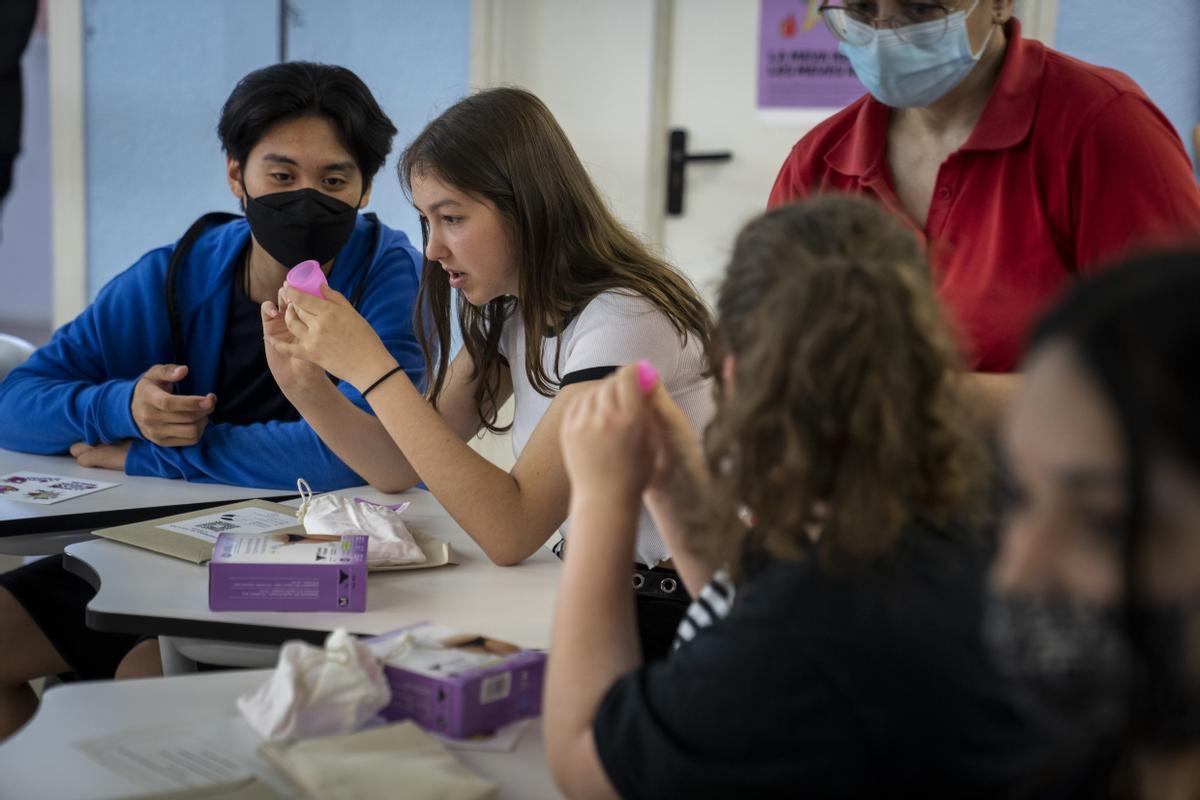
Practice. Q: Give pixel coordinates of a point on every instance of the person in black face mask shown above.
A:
(165, 374)
(1096, 589)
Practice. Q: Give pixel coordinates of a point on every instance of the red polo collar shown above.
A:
(1005, 122)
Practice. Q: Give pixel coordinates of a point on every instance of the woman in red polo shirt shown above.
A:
(1020, 166)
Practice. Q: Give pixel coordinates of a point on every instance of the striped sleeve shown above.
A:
(712, 605)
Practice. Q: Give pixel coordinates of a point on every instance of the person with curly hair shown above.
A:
(842, 655)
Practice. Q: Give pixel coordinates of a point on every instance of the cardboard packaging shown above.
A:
(288, 572)
(192, 534)
(458, 685)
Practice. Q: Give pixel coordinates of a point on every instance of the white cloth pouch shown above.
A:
(397, 761)
(391, 542)
(318, 691)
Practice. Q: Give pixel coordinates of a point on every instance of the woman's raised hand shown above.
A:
(330, 333)
(606, 441)
(292, 374)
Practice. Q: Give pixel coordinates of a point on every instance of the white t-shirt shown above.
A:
(615, 328)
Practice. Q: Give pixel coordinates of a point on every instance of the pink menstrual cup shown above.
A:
(307, 277)
(647, 376)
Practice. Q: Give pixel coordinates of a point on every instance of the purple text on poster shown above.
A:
(799, 65)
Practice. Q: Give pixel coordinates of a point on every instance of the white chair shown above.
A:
(181, 655)
(13, 352)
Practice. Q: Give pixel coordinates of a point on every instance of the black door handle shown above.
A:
(677, 159)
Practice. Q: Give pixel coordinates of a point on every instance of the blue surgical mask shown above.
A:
(914, 71)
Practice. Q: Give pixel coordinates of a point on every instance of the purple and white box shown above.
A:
(288, 572)
(456, 684)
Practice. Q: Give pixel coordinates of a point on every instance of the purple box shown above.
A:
(288, 572)
(456, 684)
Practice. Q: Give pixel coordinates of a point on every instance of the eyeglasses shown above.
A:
(915, 23)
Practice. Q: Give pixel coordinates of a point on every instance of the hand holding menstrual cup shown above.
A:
(307, 277)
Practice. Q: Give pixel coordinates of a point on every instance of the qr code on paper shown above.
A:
(217, 526)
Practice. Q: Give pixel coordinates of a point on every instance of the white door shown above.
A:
(594, 65)
(712, 96)
(618, 76)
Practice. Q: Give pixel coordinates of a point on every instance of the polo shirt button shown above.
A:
(943, 193)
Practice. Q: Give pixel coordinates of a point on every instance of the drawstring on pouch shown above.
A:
(306, 496)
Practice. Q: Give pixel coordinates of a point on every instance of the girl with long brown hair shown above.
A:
(551, 292)
(844, 658)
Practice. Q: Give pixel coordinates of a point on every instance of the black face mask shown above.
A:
(1072, 659)
(1076, 661)
(300, 225)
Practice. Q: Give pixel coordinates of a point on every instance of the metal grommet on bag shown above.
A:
(638, 581)
(668, 585)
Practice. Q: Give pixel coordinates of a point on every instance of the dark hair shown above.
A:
(1135, 333)
(503, 145)
(283, 92)
(844, 410)
(1135, 330)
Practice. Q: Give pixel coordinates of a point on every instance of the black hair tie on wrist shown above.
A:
(386, 375)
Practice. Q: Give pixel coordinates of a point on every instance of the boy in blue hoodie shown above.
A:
(165, 374)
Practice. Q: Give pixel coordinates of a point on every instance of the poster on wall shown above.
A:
(799, 66)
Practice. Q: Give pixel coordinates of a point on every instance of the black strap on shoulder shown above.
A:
(178, 257)
(588, 374)
(376, 235)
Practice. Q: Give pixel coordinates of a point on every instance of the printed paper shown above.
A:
(240, 520)
(37, 487)
(167, 757)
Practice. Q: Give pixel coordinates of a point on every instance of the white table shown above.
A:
(31, 529)
(40, 760)
(147, 593)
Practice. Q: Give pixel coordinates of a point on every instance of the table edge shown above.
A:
(94, 520)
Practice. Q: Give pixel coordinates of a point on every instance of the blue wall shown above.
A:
(158, 71)
(414, 57)
(155, 76)
(25, 255)
(1156, 43)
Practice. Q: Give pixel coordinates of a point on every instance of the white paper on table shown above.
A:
(502, 741)
(239, 520)
(43, 489)
(166, 757)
